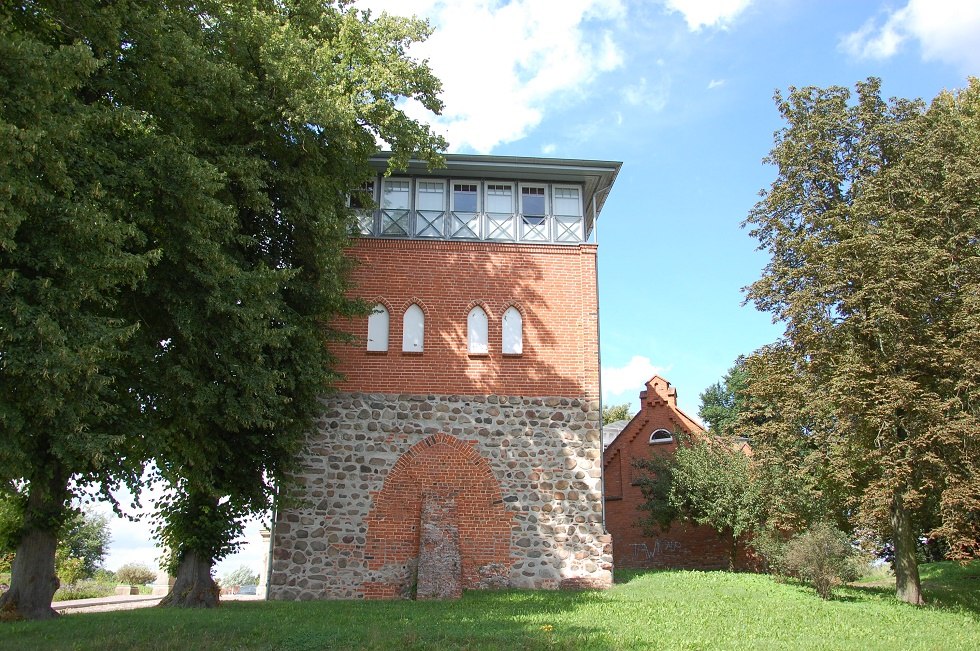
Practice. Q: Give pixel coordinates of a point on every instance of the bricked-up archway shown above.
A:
(447, 466)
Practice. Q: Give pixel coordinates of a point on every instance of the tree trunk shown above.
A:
(33, 579)
(907, 585)
(193, 586)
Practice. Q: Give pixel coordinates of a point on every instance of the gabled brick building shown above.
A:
(652, 431)
(464, 444)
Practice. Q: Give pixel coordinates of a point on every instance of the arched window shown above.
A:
(413, 329)
(476, 326)
(661, 436)
(377, 338)
(513, 332)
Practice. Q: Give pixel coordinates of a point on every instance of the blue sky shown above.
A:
(681, 92)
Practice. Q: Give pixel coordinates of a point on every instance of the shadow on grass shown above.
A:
(946, 586)
(480, 620)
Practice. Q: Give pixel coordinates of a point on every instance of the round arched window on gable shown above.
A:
(661, 436)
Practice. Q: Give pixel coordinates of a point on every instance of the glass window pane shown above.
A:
(363, 197)
(566, 201)
(431, 196)
(396, 195)
(500, 198)
(532, 202)
(464, 197)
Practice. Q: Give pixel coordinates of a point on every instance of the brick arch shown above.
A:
(415, 301)
(453, 468)
(383, 301)
(513, 303)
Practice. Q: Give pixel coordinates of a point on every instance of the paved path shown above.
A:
(125, 602)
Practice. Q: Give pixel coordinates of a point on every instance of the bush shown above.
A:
(86, 589)
(242, 576)
(135, 574)
(821, 556)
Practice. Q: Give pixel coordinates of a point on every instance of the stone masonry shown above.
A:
(523, 472)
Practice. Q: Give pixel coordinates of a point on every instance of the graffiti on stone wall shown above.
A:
(642, 552)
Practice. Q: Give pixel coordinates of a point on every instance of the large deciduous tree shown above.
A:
(873, 230)
(721, 403)
(173, 219)
(70, 163)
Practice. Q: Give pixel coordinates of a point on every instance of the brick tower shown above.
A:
(463, 448)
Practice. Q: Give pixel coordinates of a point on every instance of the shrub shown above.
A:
(86, 589)
(242, 576)
(135, 574)
(821, 556)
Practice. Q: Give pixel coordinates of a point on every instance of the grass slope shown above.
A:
(655, 610)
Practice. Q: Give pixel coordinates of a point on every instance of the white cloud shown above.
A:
(645, 94)
(629, 379)
(946, 30)
(707, 13)
(716, 83)
(503, 65)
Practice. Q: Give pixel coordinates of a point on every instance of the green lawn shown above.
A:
(655, 610)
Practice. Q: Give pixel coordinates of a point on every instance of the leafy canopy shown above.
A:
(872, 229)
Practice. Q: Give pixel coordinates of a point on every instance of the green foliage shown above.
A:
(70, 570)
(872, 227)
(86, 536)
(135, 574)
(172, 226)
(85, 589)
(644, 610)
(721, 403)
(821, 556)
(612, 413)
(707, 481)
(241, 576)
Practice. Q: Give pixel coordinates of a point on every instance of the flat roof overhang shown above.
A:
(596, 176)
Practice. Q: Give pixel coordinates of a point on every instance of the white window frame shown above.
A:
(512, 343)
(544, 228)
(413, 329)
(452, 193)
(378, 327)
(560, 220)
(418, 209)
(477, 215)
(393, 214)
(660, 440)
(478, 331)
(365, 216)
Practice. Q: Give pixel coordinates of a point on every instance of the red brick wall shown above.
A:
(682, 546)
(553, 286)
(447, 466)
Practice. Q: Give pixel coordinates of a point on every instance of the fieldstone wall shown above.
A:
(523, 473)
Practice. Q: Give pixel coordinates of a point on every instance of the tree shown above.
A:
(172, 222)
(135, 574)
(721, 403)
(70, 165)
(86, 536)
(872, 228)
(707, 481)
(613, 413)
(236, 315)
(241, 576)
